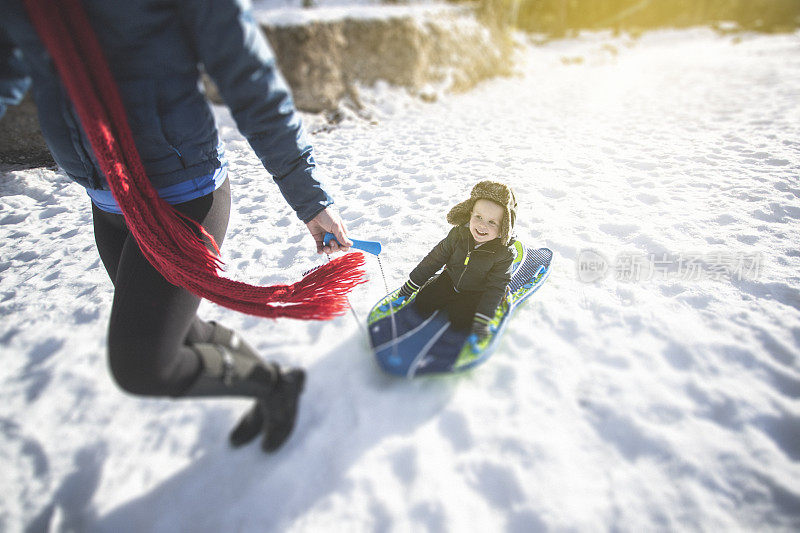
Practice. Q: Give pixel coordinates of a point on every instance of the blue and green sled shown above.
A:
(411, 345)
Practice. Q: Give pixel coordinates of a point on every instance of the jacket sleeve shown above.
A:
(14, 81)
(497, 280)
(435, 259)
(236, 55)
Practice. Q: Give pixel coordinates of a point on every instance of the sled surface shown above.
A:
(413, 345)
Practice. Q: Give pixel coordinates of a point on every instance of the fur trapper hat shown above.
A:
(501, 194)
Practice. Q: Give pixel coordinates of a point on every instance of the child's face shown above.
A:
(484, 224)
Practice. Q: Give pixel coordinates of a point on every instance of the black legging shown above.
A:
(151, 319)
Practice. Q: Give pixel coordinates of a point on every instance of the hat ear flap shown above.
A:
(510, 217)
(512, 207)
(460, 213)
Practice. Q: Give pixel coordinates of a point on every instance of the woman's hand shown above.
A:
(329, 221)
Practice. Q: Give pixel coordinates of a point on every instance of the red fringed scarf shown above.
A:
(168, 239)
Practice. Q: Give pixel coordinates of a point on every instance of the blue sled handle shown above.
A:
(371, 247)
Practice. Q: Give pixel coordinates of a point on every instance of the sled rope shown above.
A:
(391, 310)
(355, 315)
(178, 247)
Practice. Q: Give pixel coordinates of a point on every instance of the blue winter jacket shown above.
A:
(155, 49)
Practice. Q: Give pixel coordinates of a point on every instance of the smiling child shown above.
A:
(477, 257)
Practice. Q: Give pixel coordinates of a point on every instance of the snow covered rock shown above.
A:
(323, 59)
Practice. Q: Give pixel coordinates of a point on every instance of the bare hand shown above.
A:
(329, 221)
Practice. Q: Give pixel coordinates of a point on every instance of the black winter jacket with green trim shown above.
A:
(486, 269)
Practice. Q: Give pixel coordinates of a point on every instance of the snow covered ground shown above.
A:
(278, 13)
(650, 399)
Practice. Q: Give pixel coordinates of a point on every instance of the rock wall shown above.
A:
(21, 142)
(323, 61)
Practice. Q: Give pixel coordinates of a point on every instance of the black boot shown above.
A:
(232, 368)
(274, 414)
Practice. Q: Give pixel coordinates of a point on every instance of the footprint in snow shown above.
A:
(623, 432)
(618, 230)
(678, 357)
(646, 198)
(369, 162)
(13, 219)
(525, 521)
(454, 427)
(404, 464)
(386, 211)
(430, 515)
(555, 194)
(498, 484)
(52, 211)
(86, 315)
(748, 239)
(288, 257)
(784, 431)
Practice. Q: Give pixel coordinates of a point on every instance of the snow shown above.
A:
(292, 12)
(297, 16)
(662, 402)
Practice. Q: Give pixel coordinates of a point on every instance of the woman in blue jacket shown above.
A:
(157, 346)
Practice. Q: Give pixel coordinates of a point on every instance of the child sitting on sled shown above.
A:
(477, 257)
